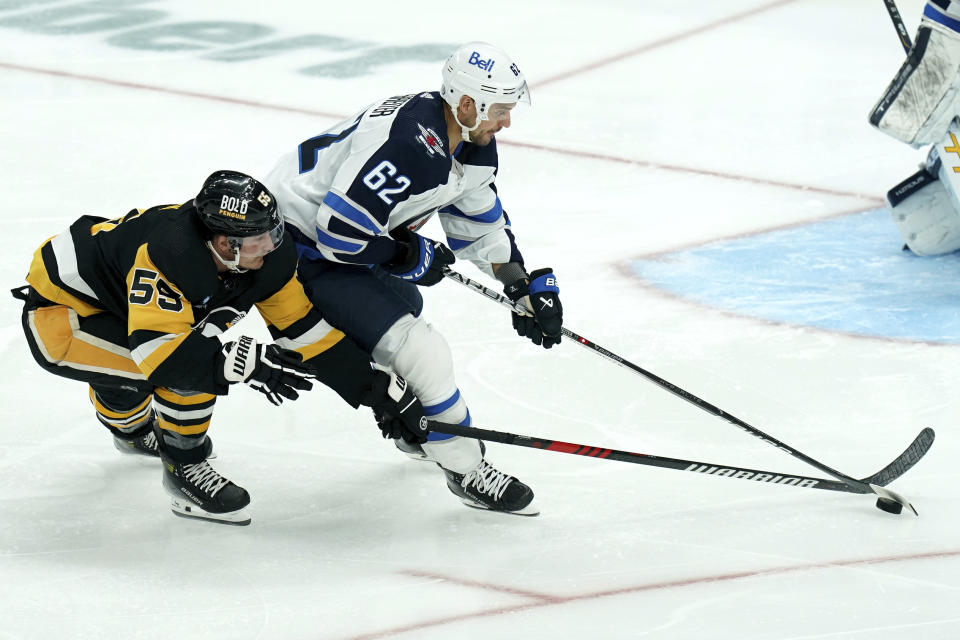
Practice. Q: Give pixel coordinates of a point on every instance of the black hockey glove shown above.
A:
(417, 259)
(542, 297)
(397, 411)
(273, 371)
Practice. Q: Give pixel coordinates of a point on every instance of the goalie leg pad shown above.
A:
(926, 213)
(924, 96)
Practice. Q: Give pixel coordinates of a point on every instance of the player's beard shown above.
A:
(481, 139)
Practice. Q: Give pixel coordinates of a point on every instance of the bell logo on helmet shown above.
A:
(264, 198)
(477, 61)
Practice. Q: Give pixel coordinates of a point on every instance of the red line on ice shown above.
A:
(545, 600)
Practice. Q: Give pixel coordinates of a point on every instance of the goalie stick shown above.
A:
(519, 307)
(870, 484)
(898, 25)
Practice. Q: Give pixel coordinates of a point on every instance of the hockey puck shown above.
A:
(890, 506)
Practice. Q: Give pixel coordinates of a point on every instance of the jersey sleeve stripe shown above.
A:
(66, 254)
(350, 212)
(327, 241)
(151, 354)
(287, 306)
(49, 285)
(491, 215)
(313, 348)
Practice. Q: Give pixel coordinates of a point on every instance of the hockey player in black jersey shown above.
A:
(132, 306)
(354, 198)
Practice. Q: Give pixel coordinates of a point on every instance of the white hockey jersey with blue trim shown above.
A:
(386, 167)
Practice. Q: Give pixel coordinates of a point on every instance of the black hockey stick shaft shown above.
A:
(677, 464)
(519, 307)
(898, 25)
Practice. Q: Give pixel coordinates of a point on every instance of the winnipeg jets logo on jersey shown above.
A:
(431, 141)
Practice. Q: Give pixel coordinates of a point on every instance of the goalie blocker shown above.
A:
(924, 96)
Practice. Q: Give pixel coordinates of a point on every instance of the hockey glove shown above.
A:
(542, 296)
(273, 371)
(417, 259)
(397, 411)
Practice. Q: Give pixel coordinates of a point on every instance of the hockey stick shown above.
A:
(891, 469)
(898, 25)
(866, 485)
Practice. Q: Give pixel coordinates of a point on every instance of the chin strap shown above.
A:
(231, 265)
(464, 129)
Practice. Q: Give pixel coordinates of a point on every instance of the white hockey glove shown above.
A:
(924, 97)
(273, 371)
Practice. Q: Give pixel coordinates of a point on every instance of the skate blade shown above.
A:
(530, 510)
(189, 510)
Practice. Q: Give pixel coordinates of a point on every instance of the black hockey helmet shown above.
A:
(235, 205)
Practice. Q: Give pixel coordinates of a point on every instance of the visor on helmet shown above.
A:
(258, 245)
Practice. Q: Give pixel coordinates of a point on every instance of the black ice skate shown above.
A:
(198, 491)
(486, 488)
(143, 445)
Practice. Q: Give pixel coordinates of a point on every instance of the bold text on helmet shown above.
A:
(234, 207)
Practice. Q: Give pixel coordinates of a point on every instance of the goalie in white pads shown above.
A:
(920, 107)
(354, 198)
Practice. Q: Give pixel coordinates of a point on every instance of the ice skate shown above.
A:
(143, 445)
(198, 491)
(146, 444)
(475, 481)
(484, 487)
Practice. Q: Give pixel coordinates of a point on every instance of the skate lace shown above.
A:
(150, 441)
(487, 480)
(204, 477)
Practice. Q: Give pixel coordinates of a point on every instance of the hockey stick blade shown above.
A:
(677, 464)
(905, 461)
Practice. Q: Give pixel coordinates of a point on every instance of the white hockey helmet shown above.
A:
(486, 74)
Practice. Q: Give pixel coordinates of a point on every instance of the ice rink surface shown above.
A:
(660, 133)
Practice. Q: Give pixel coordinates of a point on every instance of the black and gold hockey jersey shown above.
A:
(153, 268)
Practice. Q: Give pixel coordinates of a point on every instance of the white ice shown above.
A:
(655, 125)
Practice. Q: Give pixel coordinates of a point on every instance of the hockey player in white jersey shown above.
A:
(921, 107)
(354, 198)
